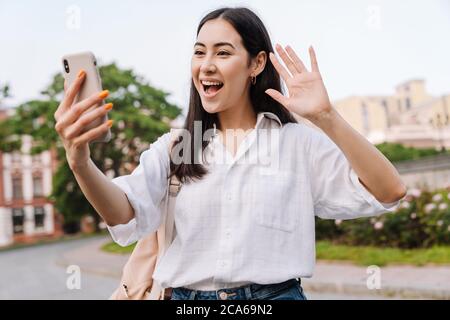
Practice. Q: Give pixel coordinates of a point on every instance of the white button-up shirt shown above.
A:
(246, 221)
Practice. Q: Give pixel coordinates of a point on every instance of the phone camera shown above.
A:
(66, 66)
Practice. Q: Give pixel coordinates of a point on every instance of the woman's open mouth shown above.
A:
(210, 89)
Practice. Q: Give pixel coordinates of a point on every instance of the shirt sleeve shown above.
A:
(145, 188)
(337, 191)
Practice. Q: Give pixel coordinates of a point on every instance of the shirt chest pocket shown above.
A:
(274, 203)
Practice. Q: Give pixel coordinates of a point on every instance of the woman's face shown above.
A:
(219, 67)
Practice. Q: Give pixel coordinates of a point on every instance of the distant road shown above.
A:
(32, 273)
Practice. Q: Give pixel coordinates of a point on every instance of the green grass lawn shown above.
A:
(67, 237)
(325, 250)
(112, 247)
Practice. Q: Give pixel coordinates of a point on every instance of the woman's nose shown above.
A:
(208, 66)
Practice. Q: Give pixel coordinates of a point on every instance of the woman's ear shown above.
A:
(259, 62)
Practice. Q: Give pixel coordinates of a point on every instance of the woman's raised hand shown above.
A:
(71, 119)
(307, 94)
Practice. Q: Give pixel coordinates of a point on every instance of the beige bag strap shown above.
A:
(165, 238)
(174, 188)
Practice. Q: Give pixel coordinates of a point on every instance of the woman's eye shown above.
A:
(219, 53)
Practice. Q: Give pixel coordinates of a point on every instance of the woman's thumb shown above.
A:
(277, 96)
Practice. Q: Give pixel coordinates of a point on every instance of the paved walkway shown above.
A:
(32, 273)
(330, 279)
(408, 282)
(92, 259)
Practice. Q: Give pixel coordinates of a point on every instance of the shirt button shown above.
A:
(223, 295)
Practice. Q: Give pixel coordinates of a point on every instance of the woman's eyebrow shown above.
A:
(218, 44)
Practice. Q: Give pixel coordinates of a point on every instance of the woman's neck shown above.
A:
(239, 117)
(235, 124)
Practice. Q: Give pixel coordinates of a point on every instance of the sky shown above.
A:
(364, 47)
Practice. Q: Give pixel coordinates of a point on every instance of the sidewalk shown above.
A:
(90, 258)
(407, 282)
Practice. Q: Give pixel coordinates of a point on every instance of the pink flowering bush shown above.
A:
(422, 219)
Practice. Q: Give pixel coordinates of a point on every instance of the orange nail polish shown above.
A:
(103, 94)
(109, 123)
(108, 106)
(81, 73)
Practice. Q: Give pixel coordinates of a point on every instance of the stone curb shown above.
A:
(388, 292)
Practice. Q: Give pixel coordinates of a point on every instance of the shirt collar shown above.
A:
(266, 114)
(263, 120)
(259, 120)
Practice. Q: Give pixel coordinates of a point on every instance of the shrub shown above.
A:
(422, 219)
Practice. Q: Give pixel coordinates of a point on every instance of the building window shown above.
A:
(386, 112)
(37, 186)
(36, 158)
(39, 215)
(365, 115)
(408, 103)
(18, 219)
(16, 158)
(17, 188)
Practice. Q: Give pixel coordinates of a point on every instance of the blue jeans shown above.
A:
(288, 290)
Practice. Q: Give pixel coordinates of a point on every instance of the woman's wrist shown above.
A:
(80, 168)
(325, 119)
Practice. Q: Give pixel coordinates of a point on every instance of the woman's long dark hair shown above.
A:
(255, 39)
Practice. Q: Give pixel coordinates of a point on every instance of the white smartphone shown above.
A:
(72, 64)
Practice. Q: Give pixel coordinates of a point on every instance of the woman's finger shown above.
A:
(297, 61)
(287, 60)
(277, 96)
(77, 127)
(314, 64)
(93, 133)
(280, 69)
(69, 95)
(77, 109)
(72, 91)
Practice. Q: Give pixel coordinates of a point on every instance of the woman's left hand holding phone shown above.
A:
(71, 118)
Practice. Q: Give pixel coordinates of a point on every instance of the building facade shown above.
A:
(410, 116)
(26, 214)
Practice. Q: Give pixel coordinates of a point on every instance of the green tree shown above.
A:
(397, 152)
(4, 92)
(141, 114)
(4, 130)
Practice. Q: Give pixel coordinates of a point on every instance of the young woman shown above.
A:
(245, 229)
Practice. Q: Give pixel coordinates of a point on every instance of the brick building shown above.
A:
(26, 215)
